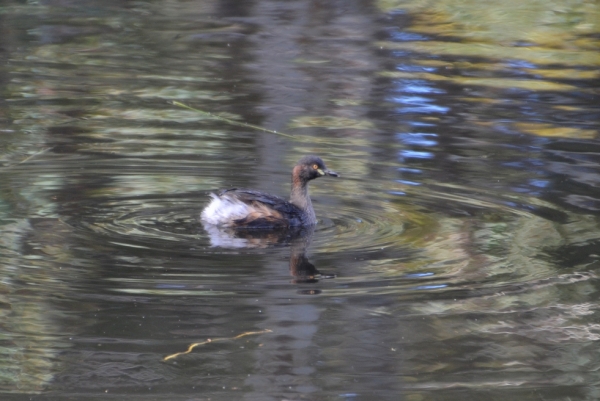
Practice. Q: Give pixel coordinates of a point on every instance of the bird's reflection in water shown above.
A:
(298, 239)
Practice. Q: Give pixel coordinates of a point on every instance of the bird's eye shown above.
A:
(315, 167)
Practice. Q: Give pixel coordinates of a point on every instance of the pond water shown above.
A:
(455, 258)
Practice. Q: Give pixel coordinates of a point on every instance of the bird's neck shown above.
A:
(299, 197)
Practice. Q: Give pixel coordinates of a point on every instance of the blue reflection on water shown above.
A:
(417, 89)
(418, 275)
(400, 53)
(413, 154)
(421, 124)
(418, 139)
(539, 183)
(516, 164)
(520, 190)
(417, 104)
(411, 183)
(520, 64)
(402, 36)
(415, 86)
(410, 170)
(430, 287)
(414, 68)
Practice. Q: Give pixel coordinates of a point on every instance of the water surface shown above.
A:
(454, 259)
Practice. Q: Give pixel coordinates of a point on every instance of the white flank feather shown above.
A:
(222, 210)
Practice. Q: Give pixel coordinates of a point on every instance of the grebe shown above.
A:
(247, 208)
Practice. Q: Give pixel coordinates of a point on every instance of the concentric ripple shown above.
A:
(366, 226)
(363, 229)
(166, 223)
(174, 222)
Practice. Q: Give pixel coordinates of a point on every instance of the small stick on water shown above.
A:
(29, 157)
(194, 345)
(230, 121)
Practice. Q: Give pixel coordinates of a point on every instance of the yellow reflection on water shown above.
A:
(547, 23)
(554, 131)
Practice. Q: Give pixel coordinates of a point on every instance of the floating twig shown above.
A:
(230, 121)
(194, 345)
(29, 157)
